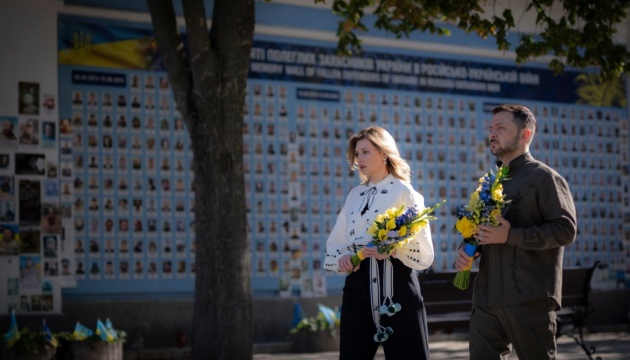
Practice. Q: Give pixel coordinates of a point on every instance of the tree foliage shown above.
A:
(581, 36)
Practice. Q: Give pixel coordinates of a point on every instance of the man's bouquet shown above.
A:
(486, 203)
(395, 228)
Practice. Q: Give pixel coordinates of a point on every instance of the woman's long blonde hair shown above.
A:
(385, 144)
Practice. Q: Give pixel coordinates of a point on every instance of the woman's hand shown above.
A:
(373, 252)
(345, 264)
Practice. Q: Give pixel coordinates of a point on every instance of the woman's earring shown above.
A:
(385, 160)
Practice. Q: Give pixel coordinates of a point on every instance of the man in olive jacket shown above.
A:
(519, 285)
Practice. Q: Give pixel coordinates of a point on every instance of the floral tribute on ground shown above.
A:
(391, 230)
(486, 203)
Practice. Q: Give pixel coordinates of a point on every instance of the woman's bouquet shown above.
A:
(395, 228)
(486, 203)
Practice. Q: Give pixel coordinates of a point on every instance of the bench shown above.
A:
(448, 308)
(576, 307)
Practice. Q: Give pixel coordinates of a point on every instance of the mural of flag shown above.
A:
(49, 336)
(13, 334)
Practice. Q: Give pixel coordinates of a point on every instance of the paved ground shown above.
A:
(608, 346)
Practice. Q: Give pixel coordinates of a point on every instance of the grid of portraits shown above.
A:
(297, 175)
(131, 187)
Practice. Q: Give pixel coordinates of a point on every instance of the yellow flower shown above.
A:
(415, 228)
(402, 231)
(382, 234)
(391, 213)
(465, 227)
(373, 230)
(379, 218)
(492, 218)
(474, 199)
(391, 224)
(497, 194)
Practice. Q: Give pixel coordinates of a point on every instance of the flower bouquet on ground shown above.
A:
(395, 228)
(486, 203)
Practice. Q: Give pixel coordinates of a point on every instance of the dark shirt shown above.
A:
(543, 220)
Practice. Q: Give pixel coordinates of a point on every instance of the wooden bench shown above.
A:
(448, 308)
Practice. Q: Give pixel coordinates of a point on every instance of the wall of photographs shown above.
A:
(131, 186)
(132, 195)
(35, 260)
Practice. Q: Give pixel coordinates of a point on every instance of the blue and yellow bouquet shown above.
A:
(486, 203)
(395, 228)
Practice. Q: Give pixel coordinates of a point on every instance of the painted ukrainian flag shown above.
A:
(88, 44)
(13, 334)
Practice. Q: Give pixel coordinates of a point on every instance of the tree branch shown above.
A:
(202, 62)
(173, 51)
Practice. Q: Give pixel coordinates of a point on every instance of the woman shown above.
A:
(380, 278)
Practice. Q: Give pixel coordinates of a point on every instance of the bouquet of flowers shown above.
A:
(486, 203)
(395, 228)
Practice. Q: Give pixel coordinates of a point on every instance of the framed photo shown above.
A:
(28, 103)
(30, 164)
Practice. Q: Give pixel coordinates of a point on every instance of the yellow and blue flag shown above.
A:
(110, 328)
(13, 334)
(329, 314)
(298, 314)
(81, 332)
(101, 331)
(49, 336)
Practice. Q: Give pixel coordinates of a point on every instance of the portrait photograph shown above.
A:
(29, 198)
(8, 132)
(49, 134)
(29, 132)
(28, 102)
(7, 187)
(5, 163)
(7, 210)
(30, 164)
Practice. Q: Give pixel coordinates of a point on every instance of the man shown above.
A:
(519, 285)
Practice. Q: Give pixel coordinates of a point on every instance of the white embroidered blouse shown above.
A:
(362, 205)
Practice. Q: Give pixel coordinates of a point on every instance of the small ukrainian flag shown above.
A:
(49, 336)
(13, 334)
(101, 331)
(81, 332)
(329, 314)
(110, 328)
(298, 314)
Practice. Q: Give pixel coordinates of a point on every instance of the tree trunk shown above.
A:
(209, 81)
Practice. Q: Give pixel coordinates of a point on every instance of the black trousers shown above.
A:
(410, 338)
(530, 327)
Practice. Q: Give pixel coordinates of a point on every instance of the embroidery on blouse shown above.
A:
(367, 201)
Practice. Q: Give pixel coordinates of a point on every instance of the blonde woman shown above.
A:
(380, 279)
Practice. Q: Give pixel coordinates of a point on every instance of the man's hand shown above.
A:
(487, 234)
(464, 262)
